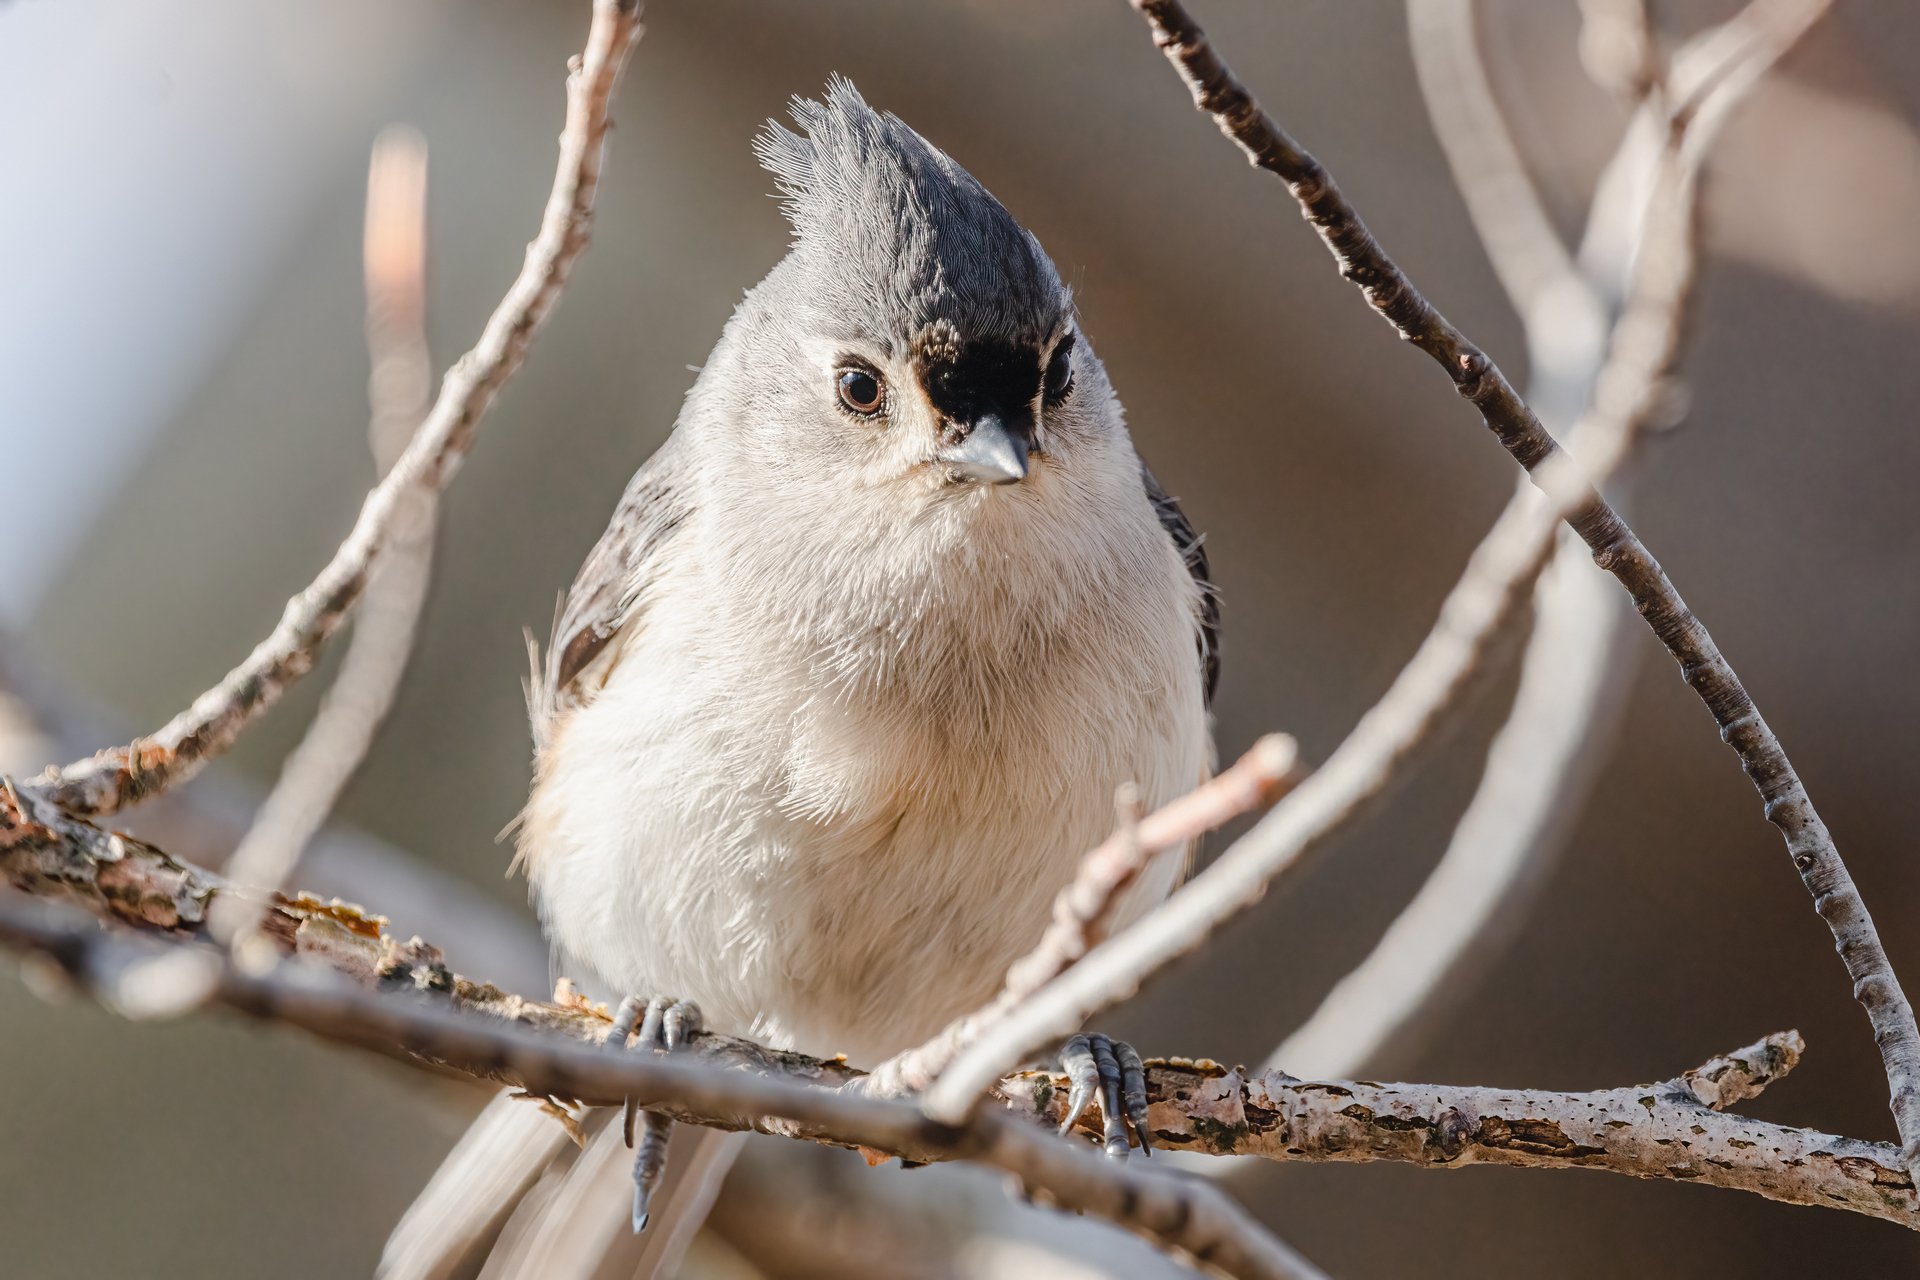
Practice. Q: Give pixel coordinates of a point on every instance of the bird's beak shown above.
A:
(991, 453)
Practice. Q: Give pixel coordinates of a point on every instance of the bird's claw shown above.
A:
(1098, 1065)
(664, 1025)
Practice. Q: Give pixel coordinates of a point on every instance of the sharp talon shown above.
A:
(682, 1018)
(649, 1164)
(1133, 1092)
(1076, 1059)
(1112, 1114)
(624, 1018)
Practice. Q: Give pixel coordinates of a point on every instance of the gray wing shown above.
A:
(603, 595)
(1189, 543)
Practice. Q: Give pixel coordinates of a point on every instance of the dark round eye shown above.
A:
(861, 391)
(1059, 379)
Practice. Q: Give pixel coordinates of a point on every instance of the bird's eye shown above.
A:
(1059, 379)
(861, 391)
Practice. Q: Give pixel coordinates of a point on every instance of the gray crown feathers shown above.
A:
(879, 206)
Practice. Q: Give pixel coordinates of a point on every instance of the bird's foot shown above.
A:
(1101, 1067)
(664, 1025)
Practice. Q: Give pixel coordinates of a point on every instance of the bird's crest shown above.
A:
(871, 195)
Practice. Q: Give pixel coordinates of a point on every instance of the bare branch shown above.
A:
(1617, 47)
(1616, 548)
(1526, 252)
(350, 717)
(407, 1007)
(124, 775)
(1548, 745)
(1083, 911)
(548, 1049)
(212, 817)
(1666, 1130)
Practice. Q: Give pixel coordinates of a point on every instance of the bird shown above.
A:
(835, 705)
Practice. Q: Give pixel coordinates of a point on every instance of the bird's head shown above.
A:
(915, 337)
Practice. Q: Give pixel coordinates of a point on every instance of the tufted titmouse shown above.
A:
(850, 681)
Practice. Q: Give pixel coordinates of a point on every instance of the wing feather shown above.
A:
(602, 600)
(1192, 550)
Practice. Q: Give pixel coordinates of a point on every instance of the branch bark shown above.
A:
(179, 749)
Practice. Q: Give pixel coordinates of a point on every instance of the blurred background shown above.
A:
(183, 417)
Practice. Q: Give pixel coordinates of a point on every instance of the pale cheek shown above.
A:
(878, 454)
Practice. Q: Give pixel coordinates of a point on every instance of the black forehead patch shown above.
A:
(982, 376)
(887, 225)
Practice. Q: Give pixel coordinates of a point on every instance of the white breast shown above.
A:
(839, 839)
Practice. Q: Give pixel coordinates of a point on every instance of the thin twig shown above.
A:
(1084, 909)
(1547, 748)
(124, 775)
(350, 717)
(1616, 548)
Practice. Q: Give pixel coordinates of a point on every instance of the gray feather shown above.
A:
(601, 599)
(898, 231)
(1193, 551)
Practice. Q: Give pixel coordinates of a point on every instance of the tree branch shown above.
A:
(124, 775)
(1645, 211)
(419, 1012)
(361, 987)
(406, 1006)
(1499, 576)
(1616, 548)
(1525, 251)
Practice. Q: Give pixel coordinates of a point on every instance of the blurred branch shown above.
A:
(1084, 910)
(1525, 250)
(350, 717)
(807, 1228)
(1616, 548)
(1617, 47)
(124, 775)
(1558, 730)
(405, 1005)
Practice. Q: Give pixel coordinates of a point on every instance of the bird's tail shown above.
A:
(514, 1200)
